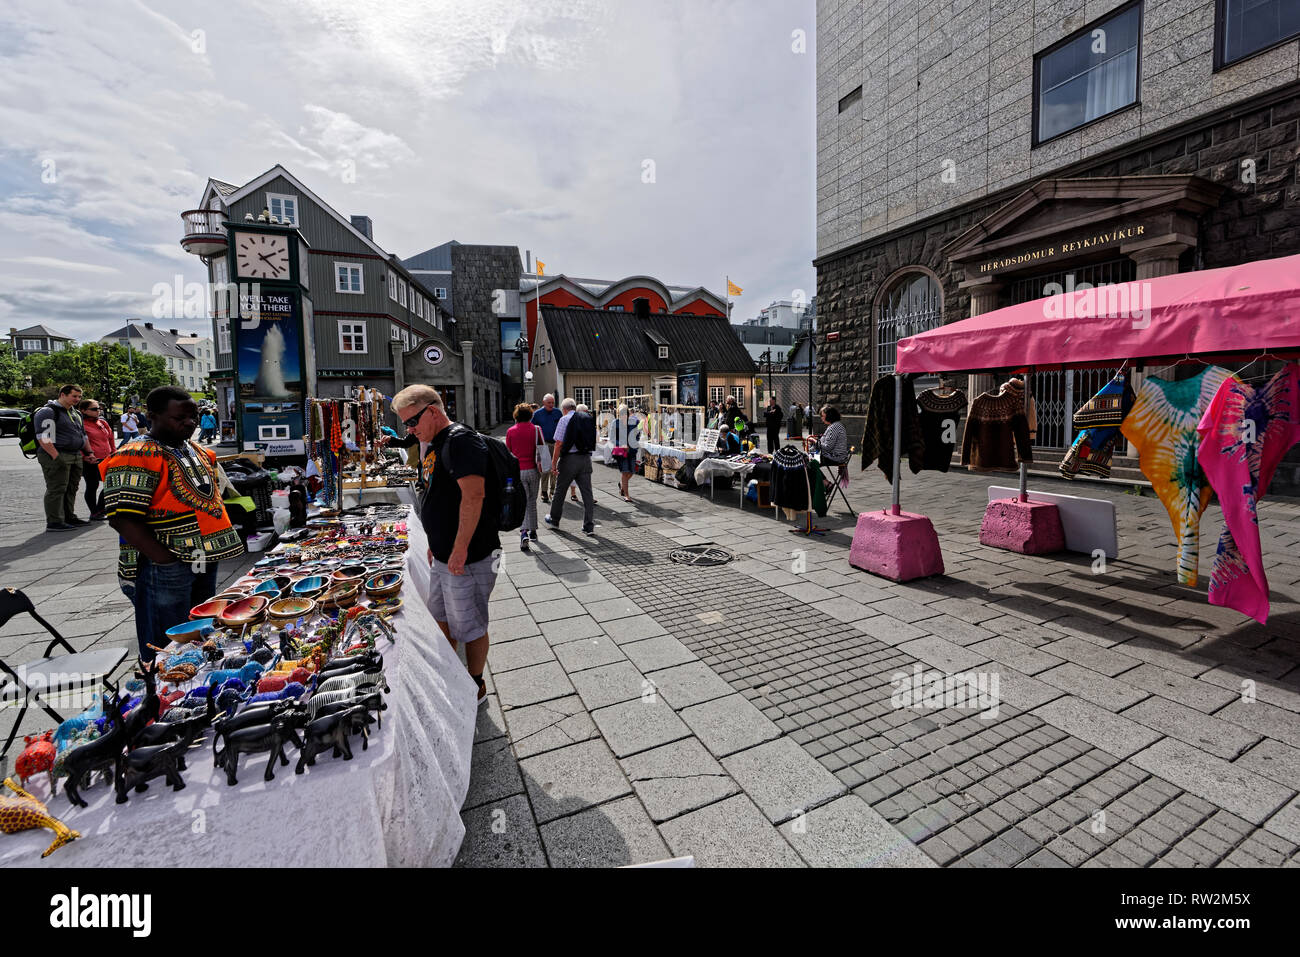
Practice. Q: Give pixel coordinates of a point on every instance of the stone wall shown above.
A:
(477, 272)
(1255, 220)
(946, 109)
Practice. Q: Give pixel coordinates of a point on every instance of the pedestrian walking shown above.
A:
(773, 417)
(575, 440)
(61, 442)
(620, 436)
(130, 427)
(525, 442)
(458, 511)
(796, 421)
(207, 426)
(101, 440)
(163, 497)
(548, 417)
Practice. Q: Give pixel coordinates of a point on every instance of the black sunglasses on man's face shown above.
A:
(414, 420)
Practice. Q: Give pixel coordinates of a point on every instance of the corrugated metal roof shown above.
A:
(594, 340)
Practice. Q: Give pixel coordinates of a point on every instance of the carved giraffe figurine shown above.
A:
(25, 813)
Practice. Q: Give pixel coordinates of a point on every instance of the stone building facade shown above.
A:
(939, 197)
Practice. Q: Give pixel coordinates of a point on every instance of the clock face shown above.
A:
(259, 256)
(433, 355)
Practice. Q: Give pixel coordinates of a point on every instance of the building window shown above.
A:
(419, 306)
(1243, 28)
(1090, 74)
(634, 391)
(352, 337)
(56, 345)
(848, 101)
(912, 304)
(223, 335)
(663, 352)
(401, 291)
(615, 308)
(282, 207)
(440, 292)
(739, 392)
(608, 393)
(406, 339)
(32, 345)
(717, 394)
(347, 278)
(396, 332)
(392, 286)
(582, 395)
(270, 432)
(189, 364)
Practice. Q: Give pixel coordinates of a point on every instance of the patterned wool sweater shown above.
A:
(996, 432)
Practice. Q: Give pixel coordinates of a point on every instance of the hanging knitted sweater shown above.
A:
(940, 415)
(878, 439)
(997, 431)
(1098, 419)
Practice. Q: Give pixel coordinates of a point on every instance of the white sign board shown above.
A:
(708, 440)
(277, 447)
(1088, 523)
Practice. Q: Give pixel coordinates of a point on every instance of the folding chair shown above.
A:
(67, 681)
(831, 473)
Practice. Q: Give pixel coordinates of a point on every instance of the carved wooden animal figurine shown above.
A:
(149, 709)
(372, 660)
(140, 766)
(249, 672)
(24, 812)
(358, 680)
(98, 755)
(270, 737)
(38, 756)
(250, 716)
(324, 733)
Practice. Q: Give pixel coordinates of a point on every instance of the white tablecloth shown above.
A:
(396, 804)
(705, 471)
(604, 451)
(686, 455)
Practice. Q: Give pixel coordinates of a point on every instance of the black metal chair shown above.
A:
(65, 680)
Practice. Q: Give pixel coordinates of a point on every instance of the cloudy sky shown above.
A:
(522, 122)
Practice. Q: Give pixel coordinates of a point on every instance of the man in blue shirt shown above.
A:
(575, 440)
(548, 417)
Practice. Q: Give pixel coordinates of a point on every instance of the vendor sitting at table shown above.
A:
(834, 442)
(728, 442)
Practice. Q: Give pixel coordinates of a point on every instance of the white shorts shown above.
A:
(462, 600)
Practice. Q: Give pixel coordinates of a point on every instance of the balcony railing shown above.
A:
(203, 222)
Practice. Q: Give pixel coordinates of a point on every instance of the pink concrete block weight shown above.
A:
(898, 547)
(1030, 528)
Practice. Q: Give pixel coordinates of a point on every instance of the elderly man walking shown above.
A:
(575, 440)
(548, 417)
(458, 511)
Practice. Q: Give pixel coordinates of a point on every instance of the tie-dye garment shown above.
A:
(1244, 434)
(1162, 427)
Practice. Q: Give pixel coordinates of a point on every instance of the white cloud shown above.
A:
(49, 262)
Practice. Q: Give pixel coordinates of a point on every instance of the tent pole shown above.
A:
(1024, 469)
(898, 440)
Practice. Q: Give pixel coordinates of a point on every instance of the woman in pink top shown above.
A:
(522, 440)
(102, 442)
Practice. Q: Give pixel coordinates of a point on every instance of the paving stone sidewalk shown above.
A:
(642, 710)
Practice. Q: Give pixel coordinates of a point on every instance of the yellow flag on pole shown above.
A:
(541, 268)
(733, 289)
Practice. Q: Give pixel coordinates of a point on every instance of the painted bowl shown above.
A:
(349, 573)
(342, 595)
(248, 611)
(287, 610)
(310, 586)
(384, 585)
(385, 606)
(209, 609)
(195, 630)
(248, 581)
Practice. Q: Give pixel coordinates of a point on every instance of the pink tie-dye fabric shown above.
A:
(1244, 434)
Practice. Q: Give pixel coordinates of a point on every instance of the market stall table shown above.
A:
(395, 804)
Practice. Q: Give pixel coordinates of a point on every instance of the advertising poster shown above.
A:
(690, 383)
(269, 374)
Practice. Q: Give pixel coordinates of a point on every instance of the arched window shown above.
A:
(911, 303)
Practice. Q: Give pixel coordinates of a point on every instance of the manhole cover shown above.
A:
(701, 555)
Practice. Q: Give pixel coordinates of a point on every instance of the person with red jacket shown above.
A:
(100, 437)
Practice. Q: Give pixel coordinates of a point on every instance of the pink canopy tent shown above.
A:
(1254, 307)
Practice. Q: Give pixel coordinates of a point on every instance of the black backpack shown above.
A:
(503, 484)
(27, 434)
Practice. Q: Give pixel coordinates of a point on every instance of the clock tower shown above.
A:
(274, 365)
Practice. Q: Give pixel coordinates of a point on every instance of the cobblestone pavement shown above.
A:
(742, 714)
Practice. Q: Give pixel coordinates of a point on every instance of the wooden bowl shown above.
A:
(196, 630)
(288, 610)
(341, 595)
(210, 609)
(384, 585)
(309, 587)
(349, 572)
(385, 606)
(269, 589)
(248, 611)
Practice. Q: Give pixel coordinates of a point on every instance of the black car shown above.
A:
(9, 420)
